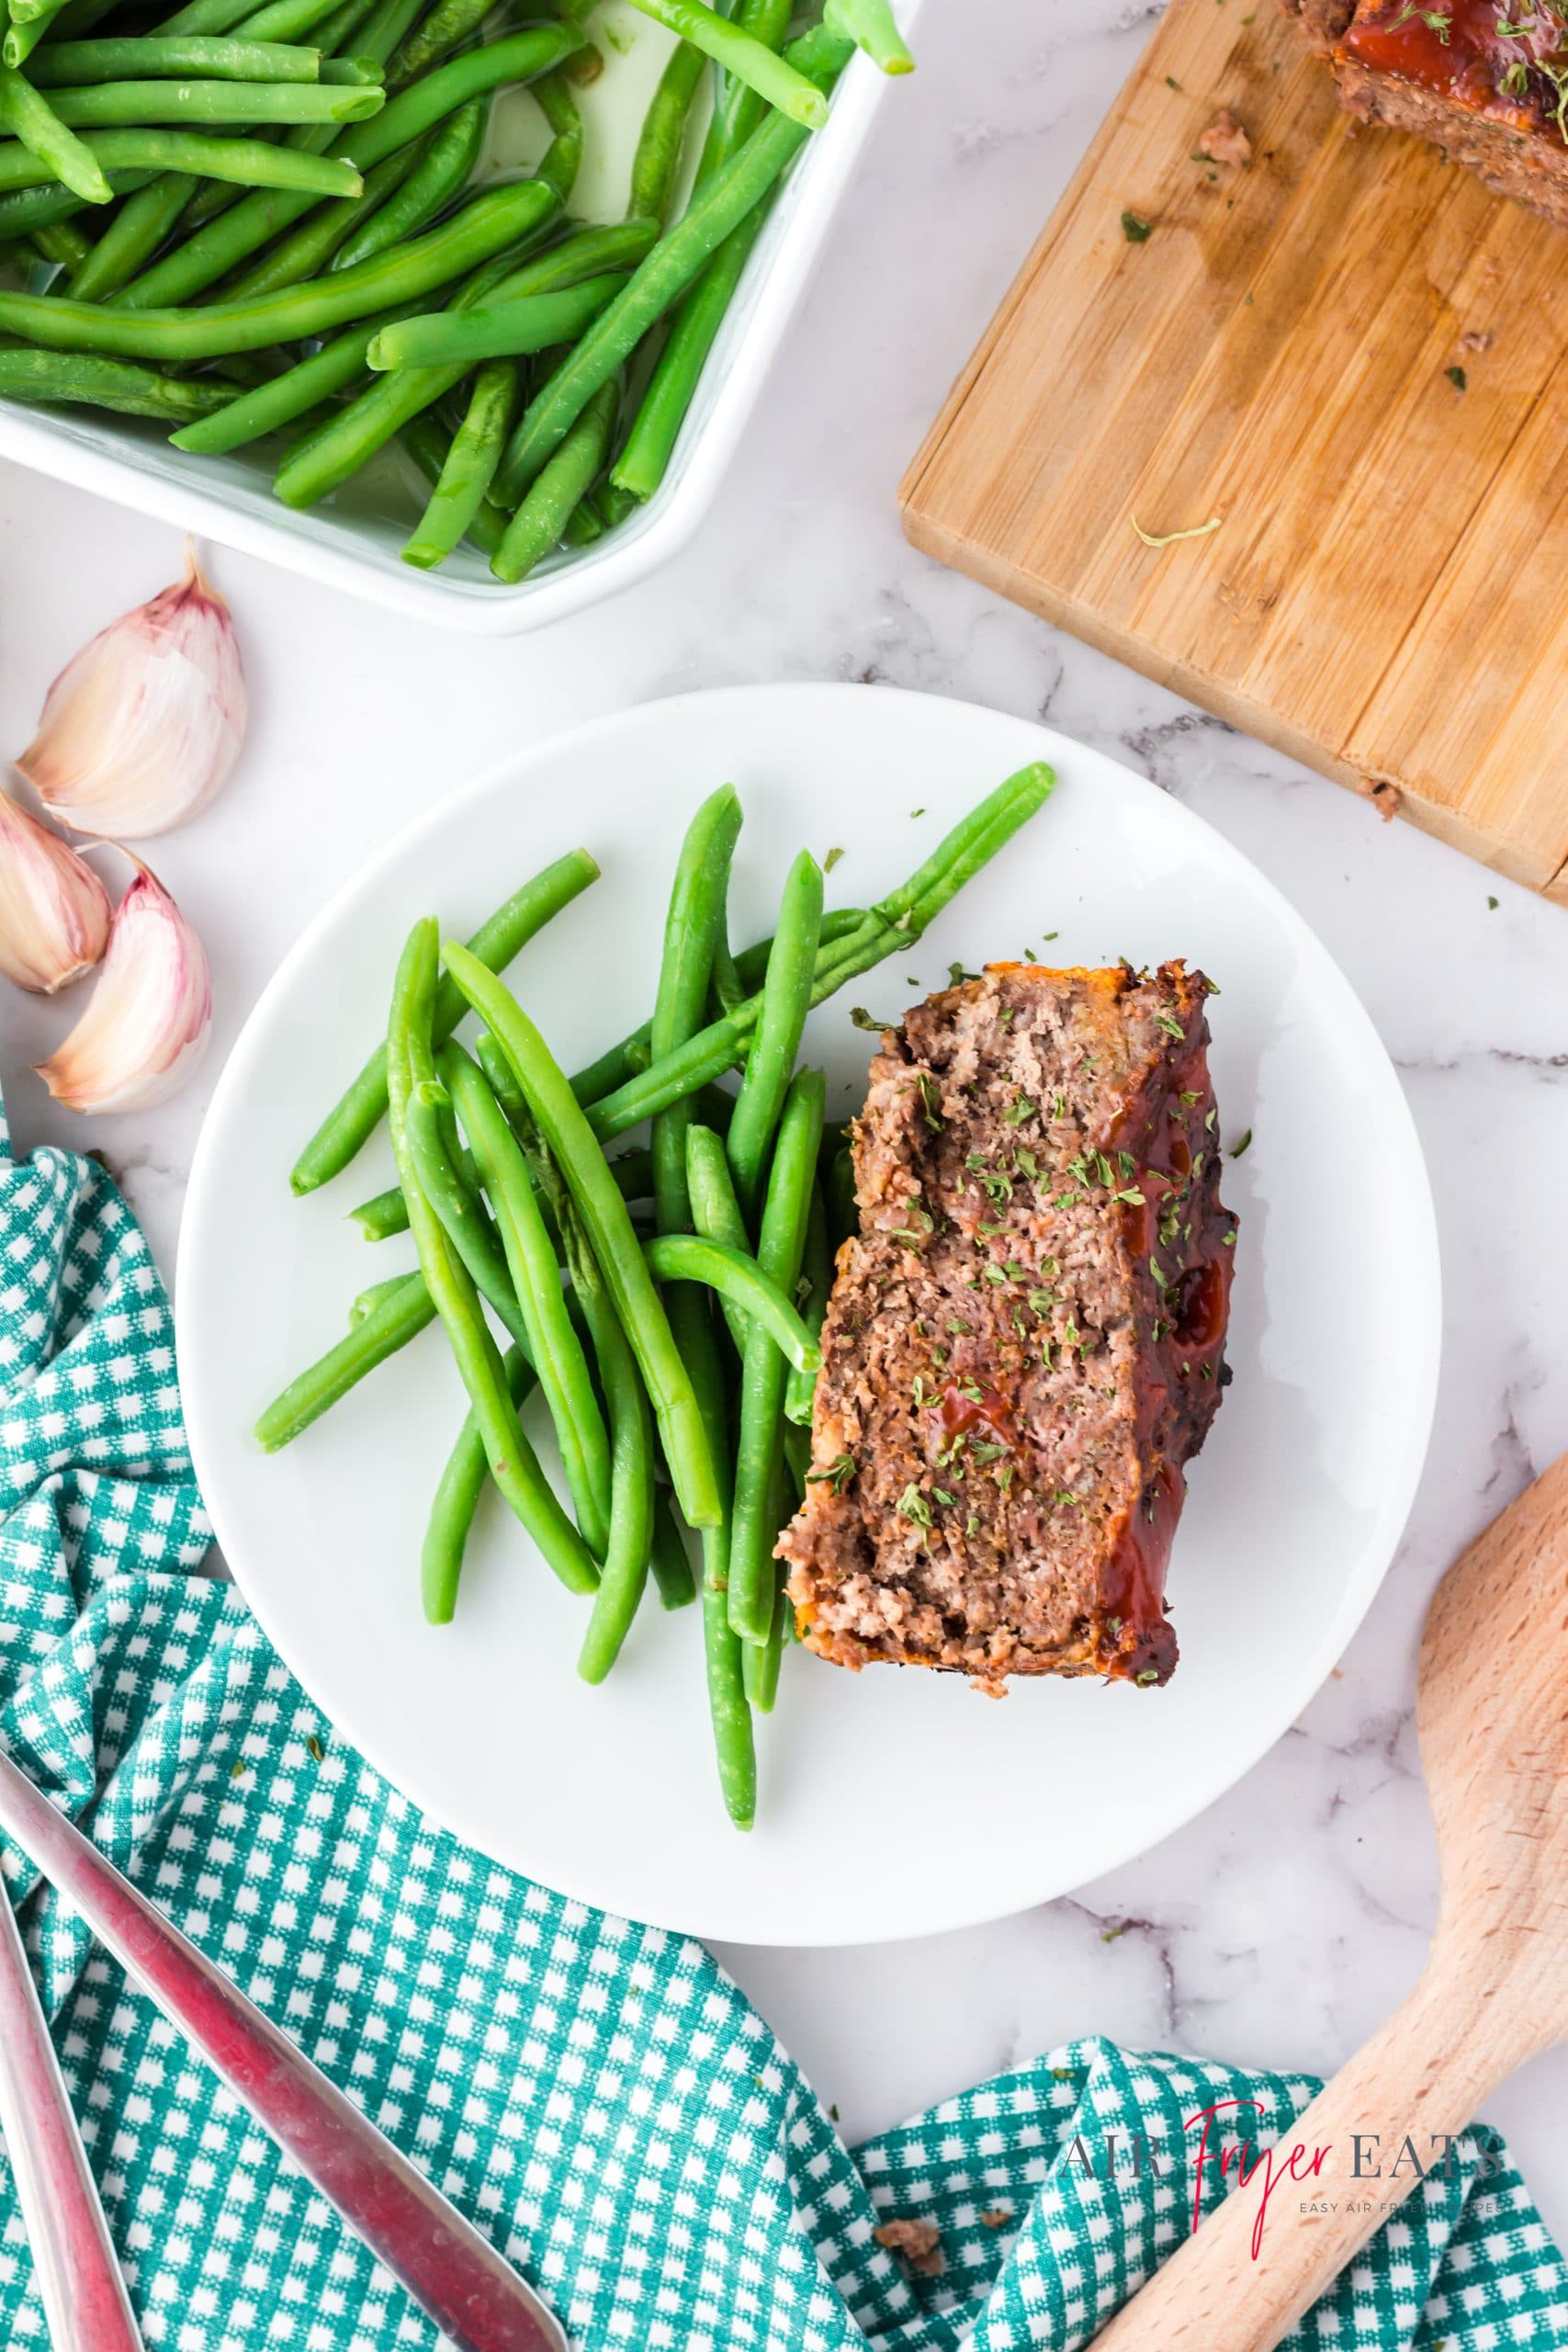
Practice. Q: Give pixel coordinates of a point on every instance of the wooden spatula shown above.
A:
(1492, 1714)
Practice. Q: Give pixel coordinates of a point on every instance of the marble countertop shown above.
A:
(1281, 1927)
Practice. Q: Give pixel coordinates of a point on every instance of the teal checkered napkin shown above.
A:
(597, 2095)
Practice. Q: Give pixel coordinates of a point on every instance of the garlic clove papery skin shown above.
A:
(141, 728)
(54, 912)
(148, 1020)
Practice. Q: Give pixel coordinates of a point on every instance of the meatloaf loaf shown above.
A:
(1488, 82)
(1025, 1342)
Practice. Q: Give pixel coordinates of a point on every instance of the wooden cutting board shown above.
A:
(1355, 357)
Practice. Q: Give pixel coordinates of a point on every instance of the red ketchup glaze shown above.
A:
(959, 1415)
(1179, 1376)
(1453, 47)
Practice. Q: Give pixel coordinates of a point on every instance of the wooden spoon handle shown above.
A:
(1239, 2283)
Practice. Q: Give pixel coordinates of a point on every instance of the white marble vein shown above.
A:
(1281, 1925)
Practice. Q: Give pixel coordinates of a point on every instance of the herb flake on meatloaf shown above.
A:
(1025, 1341)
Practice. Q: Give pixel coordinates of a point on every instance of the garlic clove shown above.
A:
(54, 912)
(144, 1030)
(146, 723)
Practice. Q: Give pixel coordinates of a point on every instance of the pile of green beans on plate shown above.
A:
(657, 1311)
(277, 221)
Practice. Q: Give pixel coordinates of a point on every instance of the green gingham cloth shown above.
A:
(596, 2096)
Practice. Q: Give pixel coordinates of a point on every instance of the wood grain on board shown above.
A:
(1386, 593)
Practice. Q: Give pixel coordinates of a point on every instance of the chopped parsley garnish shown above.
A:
(912, 1504)
(1170, 1024)
(1240, 1144)
(1021, 1109)
(837, 1474)
(862, 1019)
(1136, 231)
(1457, 378)
(831, 860)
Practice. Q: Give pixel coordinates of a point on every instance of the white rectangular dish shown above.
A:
(353, 542)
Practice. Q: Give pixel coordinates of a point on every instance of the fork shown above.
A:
(455, 2276)
(74, 2268)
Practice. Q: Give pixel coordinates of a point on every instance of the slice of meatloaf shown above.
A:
(1487, 81)
(1025, 1342)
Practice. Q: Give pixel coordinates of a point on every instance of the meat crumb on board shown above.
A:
(1225, 141)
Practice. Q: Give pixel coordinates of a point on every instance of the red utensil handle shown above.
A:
(475, 2297)
(74, 2268)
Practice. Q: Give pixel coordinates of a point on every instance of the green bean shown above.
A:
(816, 1282)
(775, 1038)
(632, 1055)
(359, 73)
(761, 1661)
(335, 33)
(553, 1345)
(438, 176)
(538, 525)
(609, 1231)
(387, 26)
(99, 106)
(637, 1520)
(650, 443)
(61, 242)
(736, 1276)
(562, 159)
(716, 1211)
(782, 1242)
(27, 30)
(136, 236)
(494, 330)
(675, 262)
(895, 923)
(226, 242)
(671, 1562)
(369, 1300)
(737, 108)
(448, 24)
(39, 208)
(752, 61)
(512, 1463)
(105, 383)
(691, 927)
(205, 17)
(870, 25)
(138, 229)
(47, 142)
(734, 1744)
(474, 1239)
(73, 61)
(345, 442)
(692, 924)
(456, 1499)
(657, 157)
(632, 1524)
(386, 1214)
(470, 465)
(251, 163)
(427, 446)
(286, 20)
(399, 1317)
(308, 246)
(359, 1110)
(292, 394)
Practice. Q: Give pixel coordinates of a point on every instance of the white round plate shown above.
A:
(892, 1803)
